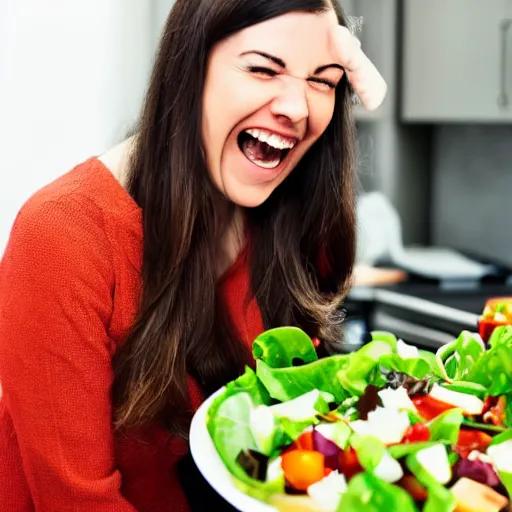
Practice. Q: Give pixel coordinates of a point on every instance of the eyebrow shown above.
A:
(281, 63)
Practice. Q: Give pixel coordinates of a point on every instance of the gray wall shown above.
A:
(472, 189)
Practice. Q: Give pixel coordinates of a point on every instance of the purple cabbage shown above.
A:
(331, 451)
(479, 471)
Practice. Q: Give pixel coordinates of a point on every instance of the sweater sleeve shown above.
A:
(56, 282)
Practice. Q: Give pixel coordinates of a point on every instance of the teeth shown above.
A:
(263, 136)
(272, 139)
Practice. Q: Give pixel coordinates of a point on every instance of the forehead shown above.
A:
(298, 38)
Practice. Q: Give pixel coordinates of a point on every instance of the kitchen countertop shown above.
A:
(425, 313)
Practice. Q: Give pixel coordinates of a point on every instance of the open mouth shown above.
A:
(264, 148)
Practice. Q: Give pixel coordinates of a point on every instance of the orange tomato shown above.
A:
(303, 468)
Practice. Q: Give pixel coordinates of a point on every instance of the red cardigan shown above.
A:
(69, 286)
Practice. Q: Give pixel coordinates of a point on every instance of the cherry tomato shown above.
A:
(497, 312)
(470, 440)
(303, 468)
(305, 441)
(416, 434)
(429, 408)
(349, 465)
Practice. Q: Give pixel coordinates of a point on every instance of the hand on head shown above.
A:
(365, 79)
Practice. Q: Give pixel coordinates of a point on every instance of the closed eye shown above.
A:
(323, 83)
(260, 70)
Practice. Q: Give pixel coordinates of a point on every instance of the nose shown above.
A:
(291, 104)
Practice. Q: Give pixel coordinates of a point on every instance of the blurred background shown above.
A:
(435, 161)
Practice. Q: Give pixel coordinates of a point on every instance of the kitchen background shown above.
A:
(439, 150)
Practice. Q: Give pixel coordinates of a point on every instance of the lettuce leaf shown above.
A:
(500, 336)
(371, 494)
(355, 376)
(283, 347)
(398, 451)
(294, 429)
(494, 369)
(446, 426)
(456, 359)
(231, 435)
(501, 438)
(287, 383)
(385, 336)
(508, 410)
(246, 383)
(369, 450)
(440, 499)
(415, 367)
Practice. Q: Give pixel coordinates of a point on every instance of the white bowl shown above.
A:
(212, 468)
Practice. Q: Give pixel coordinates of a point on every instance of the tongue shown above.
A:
(261, 154)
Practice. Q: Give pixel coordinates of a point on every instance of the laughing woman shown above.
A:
(132, 286)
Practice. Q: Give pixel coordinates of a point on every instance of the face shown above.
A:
(269, 95)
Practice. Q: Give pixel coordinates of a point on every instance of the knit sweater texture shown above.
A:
(69, 289)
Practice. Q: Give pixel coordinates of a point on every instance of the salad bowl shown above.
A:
(211, 466)
(388, 427)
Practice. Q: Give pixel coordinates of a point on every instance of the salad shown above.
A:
(386, 428)
(497, 312)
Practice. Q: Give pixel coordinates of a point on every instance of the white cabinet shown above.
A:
(457, 61)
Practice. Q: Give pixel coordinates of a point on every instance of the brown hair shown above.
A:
(307, 224)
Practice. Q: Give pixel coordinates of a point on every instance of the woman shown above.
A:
(133, 286)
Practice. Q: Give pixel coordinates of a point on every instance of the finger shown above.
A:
(345, 46)
(367, 83)
(365, 79)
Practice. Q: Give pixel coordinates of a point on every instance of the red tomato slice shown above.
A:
(349, 465)
(416, 434)
(305, 441)
(429, 408)
(303, 468)
(470, 440)
(413, 487)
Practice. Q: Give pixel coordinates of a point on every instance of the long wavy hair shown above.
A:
(302, 238)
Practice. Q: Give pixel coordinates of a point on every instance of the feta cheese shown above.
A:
(406, 351)
(397, 399)
(469, 404)
(478, 455)
(501, 455)
(274, 470)
(387, 425)
(434, 460)
(327, 492)
(301, 408)
(388, 469)
(338, 433)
